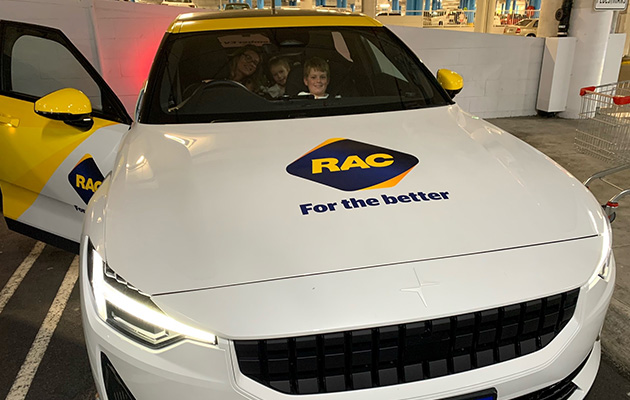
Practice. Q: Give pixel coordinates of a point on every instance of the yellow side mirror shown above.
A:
(68, 105)
(451, 81)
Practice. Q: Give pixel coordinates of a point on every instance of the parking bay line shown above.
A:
(25, 376)
(9, 289)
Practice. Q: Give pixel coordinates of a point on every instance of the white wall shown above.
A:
(120, 38)
(128, 36)
(612, 59)
(500, 72)
(72, 17)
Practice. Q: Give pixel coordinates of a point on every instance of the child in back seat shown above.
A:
(316, 77)
(279, 69)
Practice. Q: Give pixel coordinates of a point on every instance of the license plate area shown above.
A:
(490, 394)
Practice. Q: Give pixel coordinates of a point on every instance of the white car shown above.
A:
(436, 17)
(376, 243)
(525, 27)
(236, 6)
(179, 3)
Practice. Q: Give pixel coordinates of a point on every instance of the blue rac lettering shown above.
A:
(349, 165)
(354, 203)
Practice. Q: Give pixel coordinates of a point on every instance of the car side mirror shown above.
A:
(451, 81)
(68, 105)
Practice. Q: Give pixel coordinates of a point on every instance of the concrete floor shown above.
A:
(554, 137)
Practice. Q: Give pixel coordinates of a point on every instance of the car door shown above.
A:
(51, 167)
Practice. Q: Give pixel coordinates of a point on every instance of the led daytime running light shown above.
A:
(105, 293)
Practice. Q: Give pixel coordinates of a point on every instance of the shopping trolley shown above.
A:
(604, 132)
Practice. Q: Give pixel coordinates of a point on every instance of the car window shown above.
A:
(39, 60)
(524, 22)
(40, 66)
(199, 76)
(536, 24)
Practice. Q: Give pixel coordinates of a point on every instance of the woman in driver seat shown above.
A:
(245, 68)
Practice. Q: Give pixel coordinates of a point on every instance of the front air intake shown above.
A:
(389, 355)
(114, 385)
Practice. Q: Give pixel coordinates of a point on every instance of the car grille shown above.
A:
(389, 355)
(558, 391)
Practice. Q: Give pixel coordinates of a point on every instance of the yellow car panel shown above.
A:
(450, 80)
(33, 152)
(184, 24)
(64, 101)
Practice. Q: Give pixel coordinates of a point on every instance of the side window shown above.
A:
(40, 66)
(36, 61)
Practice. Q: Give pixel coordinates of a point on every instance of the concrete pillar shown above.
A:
(591, 29)
(484, 17)
(368, 7)
(472, 6)
(413, 6)
(624, 26)
(548, 26)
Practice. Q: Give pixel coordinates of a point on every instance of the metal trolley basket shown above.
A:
(604, 132)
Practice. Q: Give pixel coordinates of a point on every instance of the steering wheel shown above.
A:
(197, 87)
(217, 83)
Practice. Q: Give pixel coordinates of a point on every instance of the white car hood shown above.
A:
(213, 206)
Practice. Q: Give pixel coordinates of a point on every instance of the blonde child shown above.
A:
(279, 69)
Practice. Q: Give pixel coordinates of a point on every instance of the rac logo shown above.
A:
(85, 178)
(349, 165)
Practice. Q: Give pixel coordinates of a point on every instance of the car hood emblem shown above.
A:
(418, 289)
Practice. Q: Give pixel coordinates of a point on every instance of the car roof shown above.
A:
(266, 18)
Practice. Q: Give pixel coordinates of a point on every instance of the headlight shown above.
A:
(132, 312)
(607, 259)
(604, 271)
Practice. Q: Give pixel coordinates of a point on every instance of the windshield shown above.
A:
(256, 74)
(524, 22)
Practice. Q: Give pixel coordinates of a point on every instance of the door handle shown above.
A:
(6, 119)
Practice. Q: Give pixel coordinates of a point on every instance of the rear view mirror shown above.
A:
(68, 105)
(451, 81)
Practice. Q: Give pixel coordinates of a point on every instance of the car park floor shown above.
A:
(554, 137)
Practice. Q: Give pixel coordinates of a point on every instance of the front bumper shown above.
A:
(191, 370)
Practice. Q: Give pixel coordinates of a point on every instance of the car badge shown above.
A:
(85, 178)
(349, 165)
(418, 289)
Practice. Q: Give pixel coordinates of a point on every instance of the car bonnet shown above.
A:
(217, 205)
